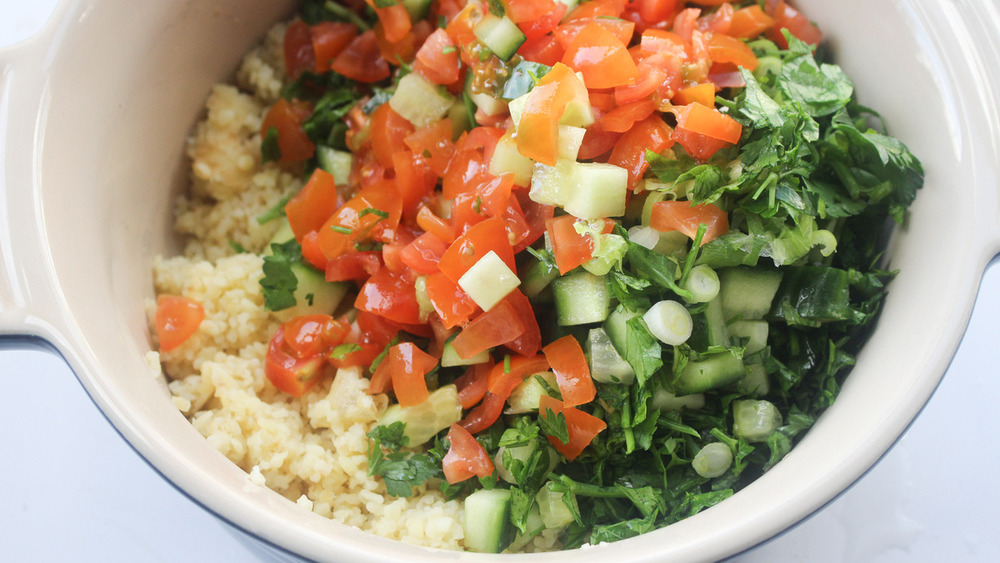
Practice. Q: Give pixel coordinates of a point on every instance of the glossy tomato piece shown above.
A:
(572, 371)
(453, 306)
(492, 328)
(583, 427)
(287, 118)
(482, 238)
(390, 295)
(362, 60)
(466, 458)
(176, 319)
(311, 206)
(288, 372)
(686, 218)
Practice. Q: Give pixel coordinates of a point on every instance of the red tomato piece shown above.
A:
(409, 365)
(395, 20)
(388, 129)
(572, 371)
(597, 8)
(308, 209)
(472, 384)
(630, 150)
(311, 251)
(328, 40)
(312, 335)
(653, 12)
(415, 180)
(466, 458)
(686, 218)
(703, 94)
(478, 241)
(623, 117)
(570, 248)
(437, 59)
(390, 295)
(726, 49)
(749, 22)
(423, 253)
(353, 266)
(544, 48)
(287, 118)
(530, 341)
(176, 319)
(501, 381)
(786, 17)
(298, 49)
(495, 327)
(431, 223)
(621, 29)
(601, 57)
(717, 22)
(362, 60)
(704, 122)
(434, 143)
(286, 371)
(582, 427)
(372, 214)
(453, 306)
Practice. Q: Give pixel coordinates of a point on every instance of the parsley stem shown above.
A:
(343, 12)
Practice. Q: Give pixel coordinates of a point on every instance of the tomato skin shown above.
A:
(501, 381)
(361, 60)
(478, 241)
(601, 57)
(726, 49)
(288, 372)
(353, 266)
(582, 427)
(530, 341)
(749, 22)
(437, 59)
(453, 306)
(328, 40)
(409, 365)
(311, 206)
(786, 17)
(176, 319)
(570, 248)
(287, 118)
(388, 129)
(423, 253)
(472, 384)
(312, 335)
(703, 125)
(298, 49)
(389, 295)
(686, 218)
(629, 152)
(572, 371)
(544, 49)
(466, 458)
(492, 328)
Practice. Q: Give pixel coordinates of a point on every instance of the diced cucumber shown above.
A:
(552, 506)
(337, 163)
(424, 304)
(499, 34)
(551, 185)
(313, 294)
(537, 276)
(420, 101)
(532, 527)
(598, 190)
(711, 372)
(508, 160)
(581, 298)
(450, 358)
(666, 400)
(755, 331)
(747, 293)
(440, 410)
(488, 104)
(578, 112)
(486, 520)
(755, 420)
(570, 141)
(755, 382)
(606, 364)
(526, 396)
(280, 236)
(617, 327)
(718, 332)
(489, 280)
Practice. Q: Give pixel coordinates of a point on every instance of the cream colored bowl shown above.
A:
(93, 116)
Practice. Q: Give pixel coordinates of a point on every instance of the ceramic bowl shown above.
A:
(93, 116)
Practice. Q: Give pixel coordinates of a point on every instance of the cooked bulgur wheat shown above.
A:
(312, 450)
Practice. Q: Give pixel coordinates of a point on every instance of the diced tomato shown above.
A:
(478, 241)
(434, 142)
(630, 150)
(453, 306)
(390, 295)
(655, 11)
(596, 143)
(538, 130)
(463, 167)
(597, 8)
(437, 59)
(312, 335)
(394, 19)
(786, 17)
(601, 57)
(544, 49)
(415, 180)
(572, 371)
(328, 40)
(686, 218)
(472, 384)
(703, 94)
(353, 266)
(381, 379)
(298, 49)
(466, 458)
(423, 253)
(530, 341)
(388, 129)
(311, 206)
(361, 60)
(623, 117)
(726, 49)
(621, 29)
(582, 427)
(686, 22)
(502, 380)
(749, 22)
(287, 118)
(495, 327)
(431, 223)
(717, 22)
(535, 215)
(570, 248)
(288, 372)
(311, 252)
(409, 364)
(703, 130)
(369, 215)
(176, 319)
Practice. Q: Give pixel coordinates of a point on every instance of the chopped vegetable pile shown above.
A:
(609, 258)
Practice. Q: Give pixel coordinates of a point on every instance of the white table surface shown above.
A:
(72, 490)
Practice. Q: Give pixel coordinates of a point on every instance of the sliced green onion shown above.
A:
(703, 283)
(755, 420)
(669, 321)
